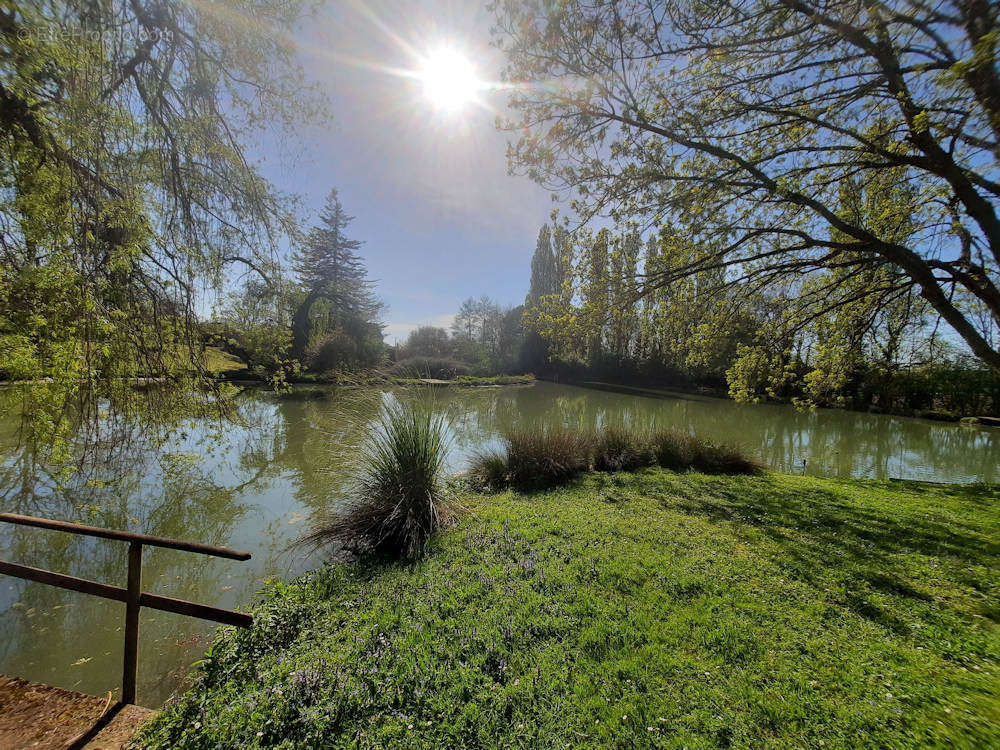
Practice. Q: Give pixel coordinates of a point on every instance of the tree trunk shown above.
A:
(300, 325)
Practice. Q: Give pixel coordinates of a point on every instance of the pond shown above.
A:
(255, 485)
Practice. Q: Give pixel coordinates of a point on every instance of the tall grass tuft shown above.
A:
(621, 449)
(398, 499)
(533, 457)
(488, 470)
(681, 451)
(673, 449)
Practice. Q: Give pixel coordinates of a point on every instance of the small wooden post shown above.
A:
(130, 667)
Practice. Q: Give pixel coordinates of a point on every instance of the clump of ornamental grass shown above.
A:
(621, 449)
(397, 500)
(488, 470)
(534, 457)
(541, 457)
(674, 449)
(681, 451)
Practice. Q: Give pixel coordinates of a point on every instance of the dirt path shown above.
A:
(42, 717)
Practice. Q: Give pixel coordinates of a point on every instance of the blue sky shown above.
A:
(440, 217)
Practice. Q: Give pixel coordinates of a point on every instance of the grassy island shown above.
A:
(635, 610)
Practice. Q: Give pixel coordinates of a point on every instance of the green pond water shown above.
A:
(255, 485)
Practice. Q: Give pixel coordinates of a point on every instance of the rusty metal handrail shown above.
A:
(132, 595)
(124, 536)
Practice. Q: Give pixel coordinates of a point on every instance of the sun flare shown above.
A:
(449, 78)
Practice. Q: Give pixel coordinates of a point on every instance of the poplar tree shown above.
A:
(562, 249)
(594, 293)
(544, 283)
(623, 317)
(544, 275)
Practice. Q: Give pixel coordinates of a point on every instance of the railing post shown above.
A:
(134, 589)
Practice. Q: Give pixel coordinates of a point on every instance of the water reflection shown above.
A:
(254, 485)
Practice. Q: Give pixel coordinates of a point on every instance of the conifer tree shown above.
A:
(329, 268)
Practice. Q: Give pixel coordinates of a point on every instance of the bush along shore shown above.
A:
(646, 608)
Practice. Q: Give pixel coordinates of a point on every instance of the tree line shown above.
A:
(485, 338)
(821, 179)
(588, 316)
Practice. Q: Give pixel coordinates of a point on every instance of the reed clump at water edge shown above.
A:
(544, 457)
(533, 456)
(398, 498)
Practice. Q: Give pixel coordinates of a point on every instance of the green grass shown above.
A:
(217, 360)
(645, 610)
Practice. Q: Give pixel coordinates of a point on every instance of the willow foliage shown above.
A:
(125, 188)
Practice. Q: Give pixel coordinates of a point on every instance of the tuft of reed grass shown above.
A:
(488, 470)
(397, 500)
(621, 449)
(673, 449)
(533, 458)
(681, 451)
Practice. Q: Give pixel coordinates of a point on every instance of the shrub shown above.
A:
(397, 500)
(619, 449)
(330, 351)
(429, 367)
(351, 347)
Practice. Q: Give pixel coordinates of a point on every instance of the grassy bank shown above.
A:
(375, 379)
(640, 610)
(469, 380)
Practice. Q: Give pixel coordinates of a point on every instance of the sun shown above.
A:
(449, 78)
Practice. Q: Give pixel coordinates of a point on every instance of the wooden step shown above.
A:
(33, 715)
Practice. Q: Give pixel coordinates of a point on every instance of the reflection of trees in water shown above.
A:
(190, 483)
(322, 432)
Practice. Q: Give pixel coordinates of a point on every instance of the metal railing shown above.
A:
(132, 595)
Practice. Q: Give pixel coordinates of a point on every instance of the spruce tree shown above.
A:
(329, 268)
